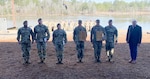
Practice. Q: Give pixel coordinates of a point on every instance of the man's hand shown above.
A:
(91, 41)
(19, 42)
(32, 41)
(116, 41)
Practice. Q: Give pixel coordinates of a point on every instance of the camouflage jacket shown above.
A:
(59, 37)
(41, 32)
(112, 33)
(25, 33)
(94, 30)
(76, 32)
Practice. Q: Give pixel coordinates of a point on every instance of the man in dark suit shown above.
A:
(134, 36)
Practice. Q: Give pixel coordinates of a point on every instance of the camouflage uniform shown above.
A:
(97, 44)
(25, 33)
(59, 40)
(79, 44)
(111, 34)
(41, 36)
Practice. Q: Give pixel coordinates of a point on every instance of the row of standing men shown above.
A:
(98, 34)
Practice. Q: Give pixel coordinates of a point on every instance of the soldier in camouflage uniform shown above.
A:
(59, 40)
(97, 42)
(42, 35)
(25, 32)
(79, 43)
(112, 33)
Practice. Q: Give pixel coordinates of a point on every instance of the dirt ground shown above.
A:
(11, 62)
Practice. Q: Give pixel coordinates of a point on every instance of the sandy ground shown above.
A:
(11, 61)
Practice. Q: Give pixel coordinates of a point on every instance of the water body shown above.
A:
(121, 22)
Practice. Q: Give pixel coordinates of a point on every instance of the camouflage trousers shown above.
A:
(110, 49)
(97, 45)
(41, 46)
(80, 49)
(59, 51)
(26, 47)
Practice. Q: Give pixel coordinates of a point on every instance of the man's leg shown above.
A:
(111, 51)
(134, 52)
(108, 50)
(82, 50)
(99, 51)
(59, 50)
(43, 51)
(23, 48)
(59, 57)
(28, 52)
(78, 50)
(131, 52)
(95, 50)
(39, 47)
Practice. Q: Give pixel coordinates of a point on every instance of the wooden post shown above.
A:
(13, 13)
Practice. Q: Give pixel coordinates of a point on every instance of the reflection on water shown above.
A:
(121, 22)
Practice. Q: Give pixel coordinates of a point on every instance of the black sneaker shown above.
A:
(41, 62)
(80, 61)
(59, 63)
(98, 61)
(28, 62)
(24, 63)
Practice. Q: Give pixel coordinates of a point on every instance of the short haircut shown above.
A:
(79, 21)
(110, 20)
(39, 19)
(97, 21)
(58, 24)
(25, 22)
(134, 20)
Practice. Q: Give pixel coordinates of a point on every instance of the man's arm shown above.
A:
(53, 39)
(105, 34)
(18, 35)
(140, 35)
(65, 37)
(127, 36)
(35, 33)
(85, 31)
(32, 34)
(48, 34)
(116, 34)
(74, 34)
(91, 37)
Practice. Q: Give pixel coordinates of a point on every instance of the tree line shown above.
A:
(71, 7)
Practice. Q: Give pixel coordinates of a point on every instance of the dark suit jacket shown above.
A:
(134, 35)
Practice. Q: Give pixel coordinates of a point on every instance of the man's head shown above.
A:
(80, 22)
(58, 26)
(25, 23)
(97, 22)
(134, 22)
(110, 22)
(40, 20)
